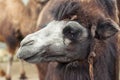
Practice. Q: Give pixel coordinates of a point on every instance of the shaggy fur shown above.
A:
(104, 66)
(71, 7)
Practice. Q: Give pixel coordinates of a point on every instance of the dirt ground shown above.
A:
(30, 69)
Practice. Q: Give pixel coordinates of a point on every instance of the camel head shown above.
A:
(61, 41)
(67, 38)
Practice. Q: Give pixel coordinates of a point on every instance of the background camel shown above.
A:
(16, 21)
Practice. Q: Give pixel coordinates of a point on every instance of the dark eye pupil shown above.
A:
(71, 33)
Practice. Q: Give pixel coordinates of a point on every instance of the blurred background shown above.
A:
(30, 69)
(18, 18)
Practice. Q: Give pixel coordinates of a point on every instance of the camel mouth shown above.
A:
(38, 58)
(25, 54)
(31, 57)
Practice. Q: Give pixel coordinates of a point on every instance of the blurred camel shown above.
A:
(16, 21)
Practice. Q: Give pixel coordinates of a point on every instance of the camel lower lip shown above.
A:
(34, 55)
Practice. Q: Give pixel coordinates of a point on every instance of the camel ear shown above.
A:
(106, 29)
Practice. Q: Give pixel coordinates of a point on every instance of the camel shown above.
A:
(81, 40)
(16, 21)
(43, 20)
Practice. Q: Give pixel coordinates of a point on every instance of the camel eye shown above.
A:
(71, 33)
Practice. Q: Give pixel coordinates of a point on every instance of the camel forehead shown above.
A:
(54, 26)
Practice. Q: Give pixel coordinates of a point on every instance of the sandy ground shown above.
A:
(30, 69)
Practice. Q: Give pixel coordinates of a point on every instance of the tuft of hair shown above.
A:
(66, 10)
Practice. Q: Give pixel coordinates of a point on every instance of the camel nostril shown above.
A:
(28, 43)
